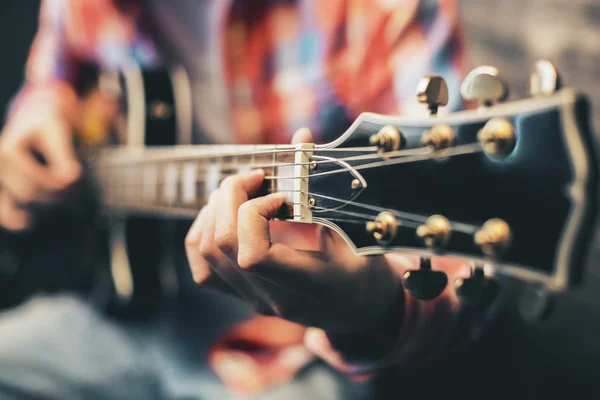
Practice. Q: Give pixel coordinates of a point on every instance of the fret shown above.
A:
(149, 183)
(274, 172)
(244, 164)
(201, 173)
(287, 170)
(228, 163)
(213, 178)
(171, 174)
(173, 179)
(189, 193)
(115, 186)
(159, 184)
(129, 185)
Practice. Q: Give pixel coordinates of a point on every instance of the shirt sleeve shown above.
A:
(74, 37)
(51, 67)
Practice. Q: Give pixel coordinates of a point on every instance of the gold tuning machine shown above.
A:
(484, 85)
(432, 91)
(494, 237)
(387, 139)
(497, 137)
(439, 137)
(436, 231)
(544, 79)
(383, 228)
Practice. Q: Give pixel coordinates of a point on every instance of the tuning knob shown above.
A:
(497, 137)
(387, 139)
(494, 237)
(435, 232)
(383, 228)
(484, 85)
(424, 283)
(478, 291)
(544, 79)
(432, 90)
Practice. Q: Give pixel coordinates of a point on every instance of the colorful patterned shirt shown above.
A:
(267, 68)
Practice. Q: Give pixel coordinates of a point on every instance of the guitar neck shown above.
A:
(177, 180)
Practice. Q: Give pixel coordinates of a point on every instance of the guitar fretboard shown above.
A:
(178, 180)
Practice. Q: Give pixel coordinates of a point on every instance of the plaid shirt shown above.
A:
(287, 64)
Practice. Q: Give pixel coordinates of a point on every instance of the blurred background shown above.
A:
(508, 34)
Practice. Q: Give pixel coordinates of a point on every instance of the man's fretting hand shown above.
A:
(327, 287)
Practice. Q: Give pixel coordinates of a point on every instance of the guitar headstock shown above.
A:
(511, 186)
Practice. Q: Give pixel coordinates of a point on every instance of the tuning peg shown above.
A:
(478, 291)
(383, 228)
(435, 232)
(544, 79)
(484, 85)
(494, 237)
(424, 283)
(432, 90)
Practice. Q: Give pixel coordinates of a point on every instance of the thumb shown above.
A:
(302, 135)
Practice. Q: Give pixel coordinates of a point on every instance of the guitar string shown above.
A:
(124, 156)
(466, 227)
(407, 219)
(460, 226)
(203, 167)
(452, 152)
(455, 151)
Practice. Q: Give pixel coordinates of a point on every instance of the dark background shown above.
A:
(508, 34)
(18, 21)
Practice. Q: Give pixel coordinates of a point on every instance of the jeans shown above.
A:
(58, 347)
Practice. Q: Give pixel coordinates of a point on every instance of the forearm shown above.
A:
(419, 333)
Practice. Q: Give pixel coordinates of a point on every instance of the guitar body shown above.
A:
(120, 262)
(140, 248)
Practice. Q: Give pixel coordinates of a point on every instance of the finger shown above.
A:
(272, 332)
(26, 187)
(234, 191)
(317, 342)
(278, 261)
(57, 146)
(12, 216)
(219, 264)
(253, 228)
(21, 165)
(207, 247)
(302, 135)
(198, 265)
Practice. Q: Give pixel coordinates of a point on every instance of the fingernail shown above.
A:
(314, 338)
(294, 357)
(279, 196)
(238, 370)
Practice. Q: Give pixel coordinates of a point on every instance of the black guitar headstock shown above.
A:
(511, 186)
